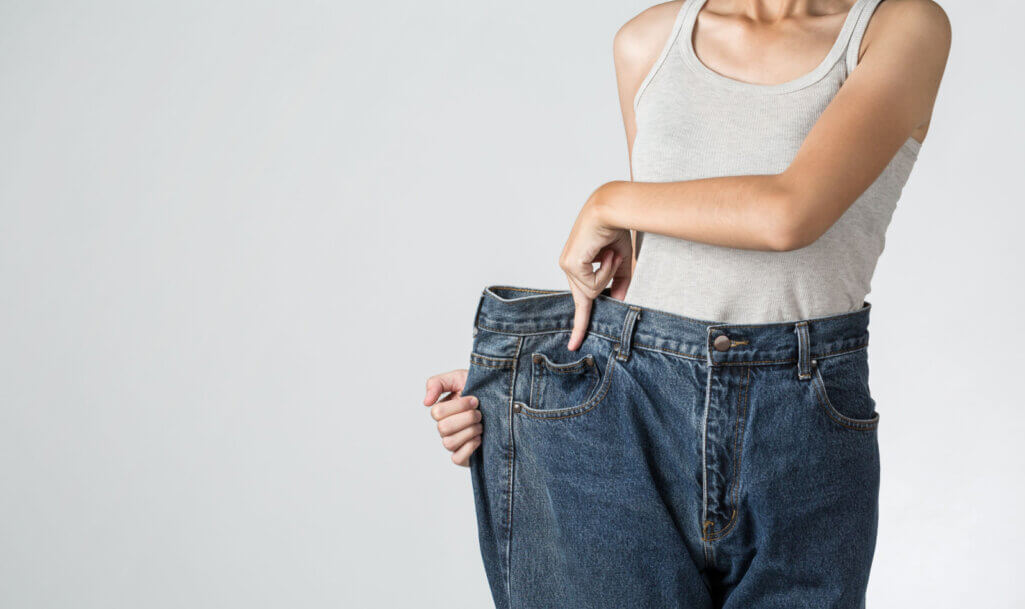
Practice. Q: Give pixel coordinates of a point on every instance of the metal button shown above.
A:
(721, 342)
(517, 407)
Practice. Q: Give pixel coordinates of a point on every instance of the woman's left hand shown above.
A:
(593, 240)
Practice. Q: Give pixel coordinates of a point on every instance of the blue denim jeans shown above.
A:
(671, 462)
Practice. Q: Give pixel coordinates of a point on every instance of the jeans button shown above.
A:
(721, 342)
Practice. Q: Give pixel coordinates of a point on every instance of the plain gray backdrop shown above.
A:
(236, 237)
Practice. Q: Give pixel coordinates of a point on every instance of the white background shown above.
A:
(236, 237)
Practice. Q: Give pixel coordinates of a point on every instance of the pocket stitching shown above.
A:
(564, 368)
(546, 366)
(837, 416)
(575, 411)
(491, 362)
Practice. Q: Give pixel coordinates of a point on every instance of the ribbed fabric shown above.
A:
(695, 123)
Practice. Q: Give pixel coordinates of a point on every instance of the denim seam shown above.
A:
(533, 381)
(562, 368)
(671, 351)
(742, 402)
(792, 360)
(691, 356)
(490, 362)
(626, 336)
(490, 366)
(840, 352)
(836, 415)
(511, 457)
(528, 290)
(865, 305)
(803, 357)
(704, 449)
(541, 332)
(668, 351)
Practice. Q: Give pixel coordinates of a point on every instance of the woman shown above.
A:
(712, 442)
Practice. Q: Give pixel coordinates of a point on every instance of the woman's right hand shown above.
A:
(458, 417)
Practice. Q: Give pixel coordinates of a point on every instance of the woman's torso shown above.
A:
(695, 123)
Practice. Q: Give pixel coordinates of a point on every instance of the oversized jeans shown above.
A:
(671, 462)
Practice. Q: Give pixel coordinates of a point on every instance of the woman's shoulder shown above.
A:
(927, 10)
(923, 20)
(640, 40)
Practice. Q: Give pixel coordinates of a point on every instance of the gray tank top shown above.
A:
(692, 123)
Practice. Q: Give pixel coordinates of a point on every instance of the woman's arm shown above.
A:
(888, 98)
(636, 48)
(881, 104)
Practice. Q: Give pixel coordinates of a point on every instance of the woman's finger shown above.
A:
(581, 317)
(446, 408)
(454, 441)
(585, 290)
(440, 383)
(462, 456)
(621, 280)
(610, 264)
(458, 422)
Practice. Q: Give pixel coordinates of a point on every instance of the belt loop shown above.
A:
(803, 351)
(476, 315)
(632, 315)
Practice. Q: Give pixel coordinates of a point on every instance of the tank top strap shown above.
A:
(670, 44)
(865, 8)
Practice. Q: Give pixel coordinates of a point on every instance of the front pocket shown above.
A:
(848, 384)
(555, 386)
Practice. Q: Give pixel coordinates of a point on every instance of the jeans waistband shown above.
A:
(523, 311)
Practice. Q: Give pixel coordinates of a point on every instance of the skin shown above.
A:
(458, 416)
(888, 98)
